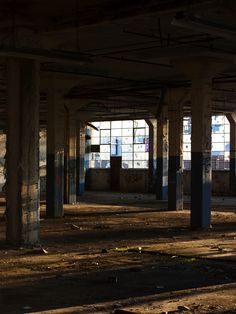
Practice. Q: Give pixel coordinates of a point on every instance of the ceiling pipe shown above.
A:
(199, 24)
(45, 55)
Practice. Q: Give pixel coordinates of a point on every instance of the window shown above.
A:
(129, 139)
(220, 143)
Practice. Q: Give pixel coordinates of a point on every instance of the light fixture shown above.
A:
(200, 24)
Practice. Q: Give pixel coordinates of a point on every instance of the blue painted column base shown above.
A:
(72, 180)
(80, 184)
(162, 179)
(55, 185)
(200, 190)
(175, 184)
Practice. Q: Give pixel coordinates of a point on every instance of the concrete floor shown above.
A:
(123, 251)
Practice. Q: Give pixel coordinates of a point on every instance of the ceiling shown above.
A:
(120, 53)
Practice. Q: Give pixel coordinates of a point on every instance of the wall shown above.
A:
(98, 179)
(131, 180)
(136, 180)
(220, 182)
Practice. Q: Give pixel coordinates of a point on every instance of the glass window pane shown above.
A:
(139, 156)
(227, 156)
(105, 140)
(217, 146)
(187, 147)
(140, 164)
(126, 164)
(227, 128)
(127, 140)
(227, 137)
(218, 138)
(116, 140)
(139, 123)
(187, 155)
(105, 163)
(116, 150)
(92, 164)
(187, 138)
(217, 128)
(227, 147)
(139, 147)
(139, 139)
(95, 156)
(105, 149)
(127, 132)
(105, 133)
(116, 132)
(105, 125)
(105, 156)
(139, 132)
(127, 148)
(116, 124)
(128, 124)
(95, 140)
(127, 156)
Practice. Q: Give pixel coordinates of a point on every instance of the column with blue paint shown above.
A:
(22, 157)
(201, 70)
(201, 174)
(80, 159)
(55, 152)
(72, 156)
(152, 124)
(175, 171)
(162, 155)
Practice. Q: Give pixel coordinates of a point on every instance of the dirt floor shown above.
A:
(117, 253)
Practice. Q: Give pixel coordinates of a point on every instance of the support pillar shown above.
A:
(71, 173)
(175, 173)
(201, 175)
(80, 164)
(22, 186)
(55, 152)
(162, 156)
(201, 70)
(232, 166)
(152, 123)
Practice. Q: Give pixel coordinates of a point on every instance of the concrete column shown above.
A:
(71, 173)
(152, 123)
(55, 152)
(201, 71)
(232, 166)
(162, 156)
(175, 172)
(22, 193)
(80, 159)
(201, 176)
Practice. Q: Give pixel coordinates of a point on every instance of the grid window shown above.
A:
(129, 139)
(220, 143)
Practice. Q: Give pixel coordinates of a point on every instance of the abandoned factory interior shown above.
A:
(118, 156)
